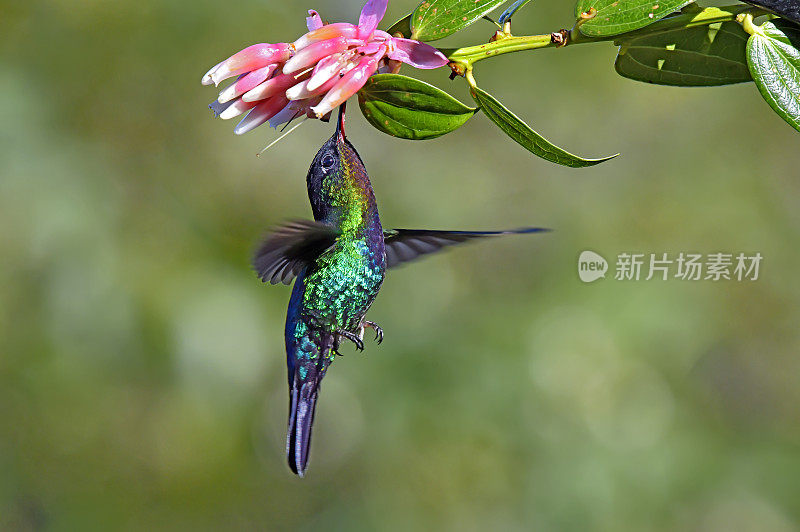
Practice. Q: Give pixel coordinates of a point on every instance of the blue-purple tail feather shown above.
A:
(302, 404)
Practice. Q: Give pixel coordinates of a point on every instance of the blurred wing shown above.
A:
(290, 248)
(788, 9)
(403, 245)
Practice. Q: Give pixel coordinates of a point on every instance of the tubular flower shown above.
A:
(276, 83)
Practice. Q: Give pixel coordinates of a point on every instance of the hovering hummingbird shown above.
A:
(339, 261)
(788, 9)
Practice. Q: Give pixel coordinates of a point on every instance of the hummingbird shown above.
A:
(788, 9)
(338, 262)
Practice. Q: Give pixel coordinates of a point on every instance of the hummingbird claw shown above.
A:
(374, 327)
(353, 338)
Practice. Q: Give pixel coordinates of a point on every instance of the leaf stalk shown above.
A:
(465, 57)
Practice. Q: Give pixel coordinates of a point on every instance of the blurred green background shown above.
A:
(142, 380)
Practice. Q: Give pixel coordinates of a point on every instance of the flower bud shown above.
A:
(329, 31)
(251, 58)
(348, 85)
(259, 114)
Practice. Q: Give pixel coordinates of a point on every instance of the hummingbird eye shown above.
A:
(327, 161)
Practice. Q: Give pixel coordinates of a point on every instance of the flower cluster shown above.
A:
(314, 74)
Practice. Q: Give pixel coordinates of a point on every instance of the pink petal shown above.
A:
(328, 31)
(314, 52)
(251, 58)
(260, 114)
(371, 14)
(328, 68)
(314, 21)
(370, 48)
(246, 83)
(235, 109)
(298, 92)
(275, 85)
(207, 79)
(303, 90)
(416, 53)
(347, 85)
(309, 104)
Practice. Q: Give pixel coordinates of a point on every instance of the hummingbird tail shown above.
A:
(302, 403)
(304, 384)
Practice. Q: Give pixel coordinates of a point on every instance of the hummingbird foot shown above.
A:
(353, 338)
(372, 325)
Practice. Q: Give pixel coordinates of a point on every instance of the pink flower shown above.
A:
(316, 73)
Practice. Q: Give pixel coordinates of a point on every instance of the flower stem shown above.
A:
(473, 54)
(746, 20)
(462, 59)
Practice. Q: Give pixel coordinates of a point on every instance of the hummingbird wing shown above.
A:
(788, 9)
(403, 245)
(290, 248)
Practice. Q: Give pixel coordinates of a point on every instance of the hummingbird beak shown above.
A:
(340, 124)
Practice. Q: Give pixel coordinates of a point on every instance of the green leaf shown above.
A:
(401, 26)
(687, 57)
(411, 109)
(436, 19)
(774, 60)
(621, 16)
(525, 136)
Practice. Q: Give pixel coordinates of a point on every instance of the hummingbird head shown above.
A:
(337, 180)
